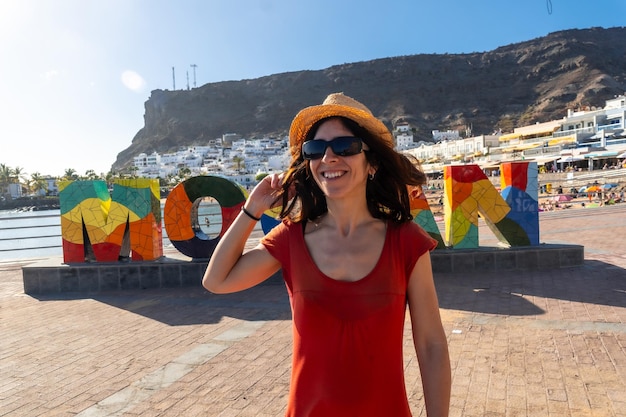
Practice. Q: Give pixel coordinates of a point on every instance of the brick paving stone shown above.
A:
(544, 343)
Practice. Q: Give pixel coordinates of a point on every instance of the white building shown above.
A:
(403, 127)
(404, 141)
(51, 186)
(200, 150)
(145, 162)
(465, 149)
(447, 135)
(192, 160)
(246, 180)
(229, 138)
(582, 139)
(15, 190)
(589, 133)
(279, 161)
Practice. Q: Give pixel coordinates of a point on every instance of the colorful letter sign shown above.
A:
(520, 190)
(513, 217)
(181, 207)
(422, 215)
(96, 224)
(91, 218)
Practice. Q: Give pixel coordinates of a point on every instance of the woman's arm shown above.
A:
(429, 338)
(231, 270)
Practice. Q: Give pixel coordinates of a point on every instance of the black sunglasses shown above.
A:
(341, 146)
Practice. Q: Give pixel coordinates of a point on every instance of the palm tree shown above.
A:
(38, 183)
(91, 175)
(110, 177)
(239, 162)
(5, 178)
(183, 173)
(18, 175)
(70, 175)
(133, 171)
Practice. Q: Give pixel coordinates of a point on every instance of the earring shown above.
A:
(371, 176)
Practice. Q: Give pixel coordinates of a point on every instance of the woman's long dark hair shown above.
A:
(386, 193)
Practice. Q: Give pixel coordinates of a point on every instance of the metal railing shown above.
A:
(25, 235)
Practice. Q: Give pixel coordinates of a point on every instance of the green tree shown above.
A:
(171, 179)
(183, 173)
(129, 172)
(91, 175)
(5, 178)
(19, 175)
(110, 177)
(163, 182)
(70, 175)
(239, 162)
(38, 183)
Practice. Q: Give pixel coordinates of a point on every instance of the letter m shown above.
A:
(96, 225)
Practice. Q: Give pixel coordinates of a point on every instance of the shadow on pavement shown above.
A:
(193, 305)
(511, 293)
(506, 293)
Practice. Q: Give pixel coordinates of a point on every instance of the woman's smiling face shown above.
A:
(339, 176)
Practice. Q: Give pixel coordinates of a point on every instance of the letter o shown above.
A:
(177, 213)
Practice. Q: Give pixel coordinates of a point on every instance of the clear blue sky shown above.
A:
(75, 74)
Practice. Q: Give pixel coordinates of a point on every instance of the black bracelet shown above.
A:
(247, 213)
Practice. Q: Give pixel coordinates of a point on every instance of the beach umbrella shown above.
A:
(561, 198)
(608, 186)
(592, 189)
(582, 189)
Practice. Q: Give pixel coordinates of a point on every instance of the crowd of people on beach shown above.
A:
(580, 199)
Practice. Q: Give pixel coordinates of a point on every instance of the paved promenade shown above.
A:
(542, 343)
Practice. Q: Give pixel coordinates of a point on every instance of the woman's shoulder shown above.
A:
(408, 227)
(284, 228)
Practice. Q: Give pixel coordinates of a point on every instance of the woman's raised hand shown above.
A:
(264, 195)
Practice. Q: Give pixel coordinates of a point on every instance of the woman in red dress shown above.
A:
(352, 260)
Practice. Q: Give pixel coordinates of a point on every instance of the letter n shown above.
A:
(468, 193)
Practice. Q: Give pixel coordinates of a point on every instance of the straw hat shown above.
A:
(336, 104)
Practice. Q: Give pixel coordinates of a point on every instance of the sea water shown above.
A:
(30, 234)
(37, 234)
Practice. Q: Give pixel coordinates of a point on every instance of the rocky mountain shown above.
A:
(514, 85)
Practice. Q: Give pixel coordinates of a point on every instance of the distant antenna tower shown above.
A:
(173, 79)
(187, 80)
(194, 74)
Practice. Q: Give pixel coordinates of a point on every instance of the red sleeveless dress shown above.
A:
(347, 336)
